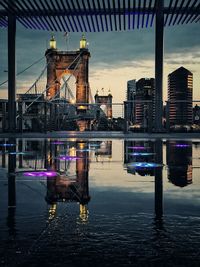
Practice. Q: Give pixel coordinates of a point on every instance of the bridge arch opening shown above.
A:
(73, 63)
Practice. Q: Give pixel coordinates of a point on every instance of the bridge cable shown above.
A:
(65, 82)
(40, 59)
(53, 82)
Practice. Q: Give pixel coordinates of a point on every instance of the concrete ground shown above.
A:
(103, 134)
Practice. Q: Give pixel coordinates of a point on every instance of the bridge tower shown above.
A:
(105, 100)
(60, 63)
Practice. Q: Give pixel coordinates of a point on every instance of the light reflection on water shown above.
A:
(109, 203)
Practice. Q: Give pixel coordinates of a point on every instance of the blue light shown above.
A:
(66, 157)
(141, 154)
(18, 153)
(4, 145)
(141, 165)
(94, 145)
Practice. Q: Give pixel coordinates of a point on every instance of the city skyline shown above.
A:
(116, 57)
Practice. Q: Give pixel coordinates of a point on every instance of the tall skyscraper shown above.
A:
(130, 96)
(180, 87)
(145, 98)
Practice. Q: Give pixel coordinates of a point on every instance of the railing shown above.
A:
(130, 116)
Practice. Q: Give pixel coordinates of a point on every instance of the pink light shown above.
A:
(40, 174)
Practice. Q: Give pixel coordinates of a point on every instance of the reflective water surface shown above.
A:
(71, 202)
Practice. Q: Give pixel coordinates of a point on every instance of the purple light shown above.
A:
(57, 143)
(40, 174)
(68, 158)
(182, 145)
(138, 147)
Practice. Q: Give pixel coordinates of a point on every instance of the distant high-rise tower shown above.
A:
(131, 89)
(145, 98)
(130, 96)
(180, 86)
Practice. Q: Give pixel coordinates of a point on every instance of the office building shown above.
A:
(180, 87)
(144, 107)
(130, 96)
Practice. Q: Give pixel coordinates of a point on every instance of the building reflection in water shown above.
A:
(70, 162)
(141, 152)
(179, 161)
(145, 158)
(37, 157)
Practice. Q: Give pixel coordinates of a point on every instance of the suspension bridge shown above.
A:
(60, 98)
(92, 16)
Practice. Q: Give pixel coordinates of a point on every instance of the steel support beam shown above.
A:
(11, 73)
(158, 180)
(11, 175)
(159, 36)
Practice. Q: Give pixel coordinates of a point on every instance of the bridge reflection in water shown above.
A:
(65, 168)
(140, 157)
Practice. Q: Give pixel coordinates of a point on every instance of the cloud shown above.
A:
(125, 55)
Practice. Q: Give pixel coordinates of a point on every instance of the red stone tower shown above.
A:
(68, 62)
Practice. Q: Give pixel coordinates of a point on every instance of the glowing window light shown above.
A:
(81, 107)
(40, 174)
(68, 158)
(141, 165)
(138, 147)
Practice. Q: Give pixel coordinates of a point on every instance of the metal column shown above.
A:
(158, 180)
(11, 73)
(159, 35)
(11, 174)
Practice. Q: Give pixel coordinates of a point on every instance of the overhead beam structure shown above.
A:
(96, 15)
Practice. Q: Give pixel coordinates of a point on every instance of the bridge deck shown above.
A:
(102, 135)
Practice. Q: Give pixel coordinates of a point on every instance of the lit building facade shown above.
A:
(180, 87)
(144, 105)
(130, 96)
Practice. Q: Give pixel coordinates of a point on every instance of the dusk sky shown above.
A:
(116, 57)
